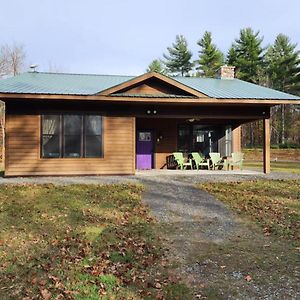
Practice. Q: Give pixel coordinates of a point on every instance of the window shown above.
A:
(183, 138)
(228, 140)
(72, 139)
(197, 138)
(93, 136)
(144, 136)
(50, 136)
(71, 136)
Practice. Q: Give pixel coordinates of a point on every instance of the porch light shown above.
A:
(154, 112)
(148, 112)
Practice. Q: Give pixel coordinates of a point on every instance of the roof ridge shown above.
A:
(77, 74)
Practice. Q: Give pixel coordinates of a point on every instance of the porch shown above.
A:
(157, 138)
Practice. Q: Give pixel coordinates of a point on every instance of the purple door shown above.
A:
(144, 149)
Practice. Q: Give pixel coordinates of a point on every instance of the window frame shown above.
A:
(61, 135)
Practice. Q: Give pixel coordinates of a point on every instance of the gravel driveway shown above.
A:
(187, 208)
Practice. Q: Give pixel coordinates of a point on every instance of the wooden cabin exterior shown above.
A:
(85, 133)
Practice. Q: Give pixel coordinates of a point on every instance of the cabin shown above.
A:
(79, 124)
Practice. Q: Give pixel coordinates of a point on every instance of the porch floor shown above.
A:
(168, 172)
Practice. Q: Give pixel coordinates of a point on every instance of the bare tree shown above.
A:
(12, 59)
(3, 62)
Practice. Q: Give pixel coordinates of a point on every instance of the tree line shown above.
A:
(276, 66)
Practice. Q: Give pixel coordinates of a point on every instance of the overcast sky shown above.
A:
(122, 37)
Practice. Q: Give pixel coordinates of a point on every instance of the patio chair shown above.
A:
(181, 162)
(216, 160)
(237, 160)
(199, 160)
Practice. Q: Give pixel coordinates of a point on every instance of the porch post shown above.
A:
(266, 146)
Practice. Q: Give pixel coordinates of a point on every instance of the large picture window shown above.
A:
(71, 136)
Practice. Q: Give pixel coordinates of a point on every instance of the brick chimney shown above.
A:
(226, 72)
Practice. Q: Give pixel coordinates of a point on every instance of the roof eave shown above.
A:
(205, 100)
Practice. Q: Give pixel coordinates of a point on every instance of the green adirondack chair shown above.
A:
(182, 164)
(216, 160)
(237, 160)
(200, 161)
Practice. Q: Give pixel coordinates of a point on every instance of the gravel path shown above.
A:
(194, 213)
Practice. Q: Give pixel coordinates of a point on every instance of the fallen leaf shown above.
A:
(158, 285)
(45, 294)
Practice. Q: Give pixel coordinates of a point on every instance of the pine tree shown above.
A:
(283, 65)
(178, 61)
(231, 56)
(246, 54)
(210, 57)
(283, 71)
(156, 66)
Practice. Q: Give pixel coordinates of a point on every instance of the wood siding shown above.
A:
(23, 150)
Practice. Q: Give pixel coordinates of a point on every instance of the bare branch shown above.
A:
(12, 59)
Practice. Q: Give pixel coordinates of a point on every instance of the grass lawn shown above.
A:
(273, 204)
(279, 166)
(81, 242)
(262, 260)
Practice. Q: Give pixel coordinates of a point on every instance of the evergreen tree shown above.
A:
(178, 61)
(156, 66)
(231, 56)
(283, 71)
(283, 65)
(210, 57)
(246, 54)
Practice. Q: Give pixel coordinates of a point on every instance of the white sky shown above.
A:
(122, 37)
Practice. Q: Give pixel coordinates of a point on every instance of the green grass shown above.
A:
(279, 166)
(80, 242)
(261, 258)
(273, 204)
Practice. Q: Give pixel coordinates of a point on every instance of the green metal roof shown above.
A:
(60, 83)
(233, 89)
(83, 84)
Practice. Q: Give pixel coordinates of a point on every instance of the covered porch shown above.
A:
(158, 137)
